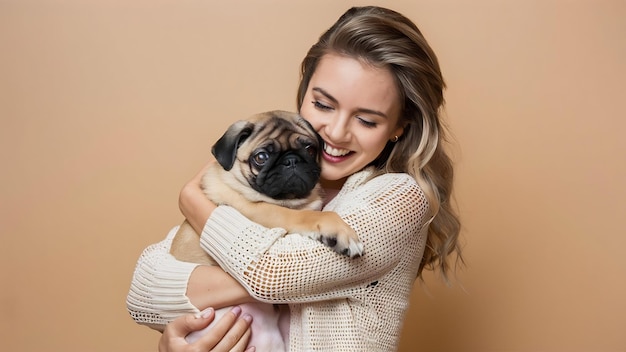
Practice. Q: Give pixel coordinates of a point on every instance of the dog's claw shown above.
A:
(334, 233)
(355, 249)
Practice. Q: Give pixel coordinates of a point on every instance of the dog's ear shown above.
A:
(301, 121)
(225, 149)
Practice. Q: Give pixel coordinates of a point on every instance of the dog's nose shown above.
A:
(290, 160)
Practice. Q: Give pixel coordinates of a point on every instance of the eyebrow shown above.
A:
(334, 100)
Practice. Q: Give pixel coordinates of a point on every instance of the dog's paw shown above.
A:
(345, 246)
(336, 234)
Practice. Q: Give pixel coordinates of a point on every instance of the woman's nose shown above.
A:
(337, 129)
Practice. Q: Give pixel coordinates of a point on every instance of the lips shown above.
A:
(335, 154)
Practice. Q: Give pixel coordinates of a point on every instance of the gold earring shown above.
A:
(394, 139)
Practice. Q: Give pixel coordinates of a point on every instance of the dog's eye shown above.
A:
(311, 149)
(260, 158)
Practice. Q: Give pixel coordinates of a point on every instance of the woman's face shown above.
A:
(355, 108)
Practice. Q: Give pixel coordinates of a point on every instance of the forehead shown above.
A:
(357, 84)
(283, 131)
(279, 121)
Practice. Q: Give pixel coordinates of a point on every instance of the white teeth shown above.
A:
(334, 151)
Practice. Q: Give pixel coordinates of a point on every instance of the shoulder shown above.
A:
(398, 191)
(389, 184)
(392, 201)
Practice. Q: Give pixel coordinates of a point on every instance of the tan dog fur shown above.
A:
(299, 215)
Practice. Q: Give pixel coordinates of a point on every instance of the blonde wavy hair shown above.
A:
(387, 39)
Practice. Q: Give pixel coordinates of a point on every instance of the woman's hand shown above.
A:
(230, 333)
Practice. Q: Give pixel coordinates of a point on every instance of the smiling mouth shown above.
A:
(335, 152)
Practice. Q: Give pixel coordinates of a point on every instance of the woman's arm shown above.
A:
(163, 288)
(193, 203)
(387, 213)
(208, 286)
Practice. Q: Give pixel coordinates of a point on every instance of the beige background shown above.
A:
(108, 107)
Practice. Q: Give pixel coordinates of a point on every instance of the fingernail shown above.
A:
(250, 349)
(236, 310)
(204, 314)
(247, 317)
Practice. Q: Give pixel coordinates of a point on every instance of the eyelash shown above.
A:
(367, 124)
(321, 106)
(324, 107)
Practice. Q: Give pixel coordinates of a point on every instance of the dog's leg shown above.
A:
(324, 226)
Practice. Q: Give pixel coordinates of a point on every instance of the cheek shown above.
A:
(309, 114)
(375, 143)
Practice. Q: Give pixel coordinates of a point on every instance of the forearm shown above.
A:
(293, 268)
(163, 288)
(194, 204)
(210, 286)
(157, 291)
(275, 268)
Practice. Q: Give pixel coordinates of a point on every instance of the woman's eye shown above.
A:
(321, 106)
(366, 123)
(260, 158)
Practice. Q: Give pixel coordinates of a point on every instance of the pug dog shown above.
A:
(268, 168)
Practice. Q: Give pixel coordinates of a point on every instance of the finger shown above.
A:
(243, 342)
(220, 329)
(173, 338)
(190, 322)
(236, 339)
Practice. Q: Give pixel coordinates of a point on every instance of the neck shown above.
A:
(331, 188)
(332, 184)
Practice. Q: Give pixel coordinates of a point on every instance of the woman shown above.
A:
(372, 88)
(230, 333)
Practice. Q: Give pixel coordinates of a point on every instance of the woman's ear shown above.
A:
(395, 136)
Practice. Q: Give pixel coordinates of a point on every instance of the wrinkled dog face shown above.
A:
(276, 154)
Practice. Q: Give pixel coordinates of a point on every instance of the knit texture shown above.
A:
(336, 303)
(158, 289)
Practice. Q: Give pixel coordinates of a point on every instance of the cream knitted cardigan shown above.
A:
(336, 303)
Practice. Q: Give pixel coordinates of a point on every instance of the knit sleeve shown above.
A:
(158, 288)
(386, 212)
